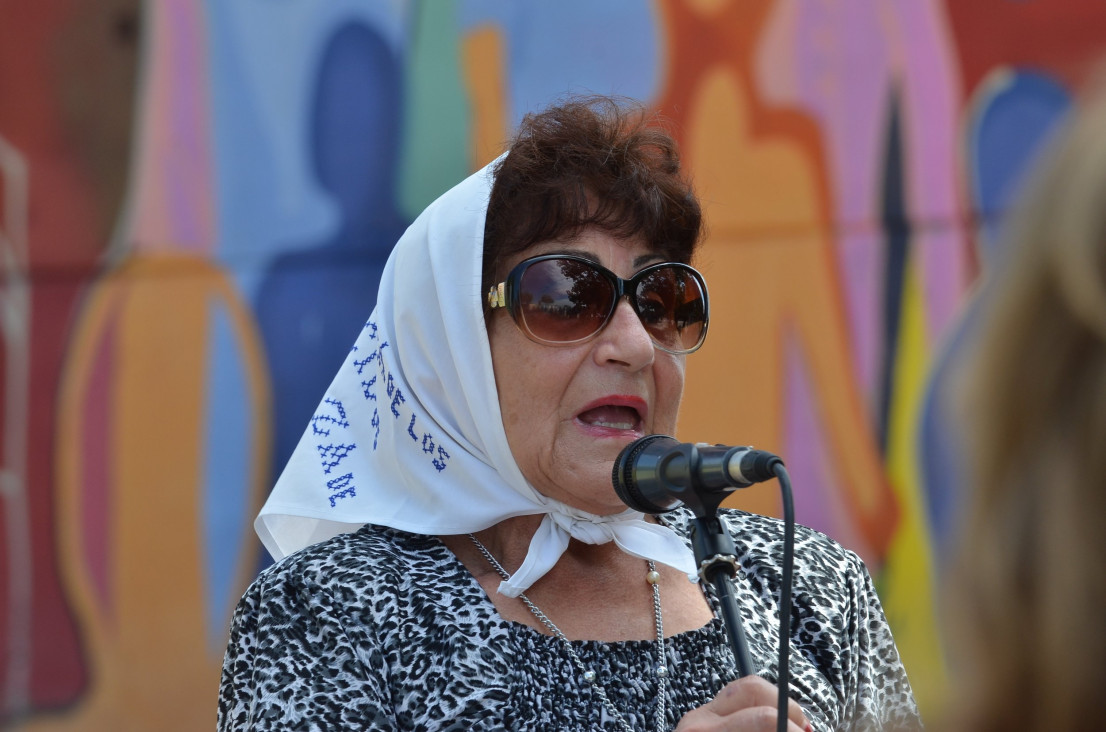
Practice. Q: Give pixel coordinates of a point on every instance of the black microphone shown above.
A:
(656, 474)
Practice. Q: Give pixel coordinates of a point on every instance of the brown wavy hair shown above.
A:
(590, 161)
(1026, 603)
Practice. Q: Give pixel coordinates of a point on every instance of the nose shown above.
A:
(624, 340)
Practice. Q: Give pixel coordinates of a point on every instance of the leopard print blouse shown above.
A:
(385, 630)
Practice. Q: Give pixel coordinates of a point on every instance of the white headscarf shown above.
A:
(409, 434)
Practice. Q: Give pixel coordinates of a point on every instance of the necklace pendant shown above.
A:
(662, 672)
(589, 676)
(653, 577)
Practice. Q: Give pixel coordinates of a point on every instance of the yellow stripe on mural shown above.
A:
(906, 583)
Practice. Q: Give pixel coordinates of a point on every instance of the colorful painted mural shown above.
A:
(197, 199)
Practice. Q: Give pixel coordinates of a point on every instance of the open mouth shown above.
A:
(611, 416)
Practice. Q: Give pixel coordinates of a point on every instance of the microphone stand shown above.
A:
(676, 475)
(716, 557)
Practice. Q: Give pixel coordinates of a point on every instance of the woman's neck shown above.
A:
(509, 542)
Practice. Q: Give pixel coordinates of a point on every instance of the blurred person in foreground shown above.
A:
(457, 557)
(1027, 594)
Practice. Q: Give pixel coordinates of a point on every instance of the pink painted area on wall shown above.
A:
(931, 101)
(844, 62)
(172, 198)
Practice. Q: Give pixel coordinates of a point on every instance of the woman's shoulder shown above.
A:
(762, 537)
(357, 562)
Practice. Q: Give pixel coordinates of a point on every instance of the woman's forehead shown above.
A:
(596, 245)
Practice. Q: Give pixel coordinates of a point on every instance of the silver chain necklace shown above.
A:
(653, 578)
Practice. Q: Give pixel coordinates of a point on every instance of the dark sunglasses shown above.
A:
(558, 299)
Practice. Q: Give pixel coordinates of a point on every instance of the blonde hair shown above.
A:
(1029, 592)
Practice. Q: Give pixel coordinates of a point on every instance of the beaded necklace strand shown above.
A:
(653, 578)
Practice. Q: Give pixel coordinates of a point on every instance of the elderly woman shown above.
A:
(469, 564)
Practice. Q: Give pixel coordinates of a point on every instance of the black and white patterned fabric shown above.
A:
(386, 630)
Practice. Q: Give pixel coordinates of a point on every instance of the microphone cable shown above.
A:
(786, 573)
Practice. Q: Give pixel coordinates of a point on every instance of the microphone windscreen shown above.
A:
(636, 465)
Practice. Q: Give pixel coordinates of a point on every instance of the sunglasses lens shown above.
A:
(671, 303)
(563, 300)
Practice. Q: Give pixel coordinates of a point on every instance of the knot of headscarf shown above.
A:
(628, 530)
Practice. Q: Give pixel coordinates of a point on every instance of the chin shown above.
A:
(606, 504)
